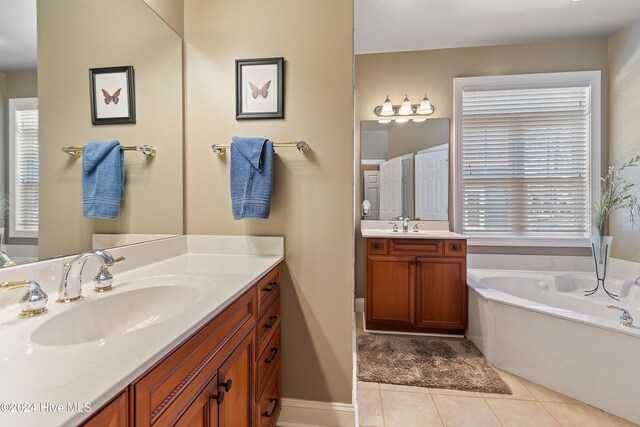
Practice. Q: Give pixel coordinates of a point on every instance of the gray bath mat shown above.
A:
(426, 362)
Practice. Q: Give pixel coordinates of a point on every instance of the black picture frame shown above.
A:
(112, 99)
(243, 72)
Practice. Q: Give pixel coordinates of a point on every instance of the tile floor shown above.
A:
(385, 405)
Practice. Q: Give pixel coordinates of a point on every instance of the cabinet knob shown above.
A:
(269, 414)
(227, 385)
(455, 247)
(219, 398)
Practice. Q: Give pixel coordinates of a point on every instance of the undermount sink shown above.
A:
(118, 314)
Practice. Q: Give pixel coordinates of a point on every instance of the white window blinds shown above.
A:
(24, 168)
(525, 161)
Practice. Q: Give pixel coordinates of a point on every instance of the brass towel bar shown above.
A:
(147, 150)
(303, 147)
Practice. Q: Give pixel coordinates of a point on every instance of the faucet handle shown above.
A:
(625, 317)
(33, 302)
(395, 226)
(104, 278)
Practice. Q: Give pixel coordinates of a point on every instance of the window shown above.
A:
(528, 157)
(23, 167)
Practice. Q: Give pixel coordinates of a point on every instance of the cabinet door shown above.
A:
(115, 414)
(235, 379)
(442, 293)
(391, 290)
(203, 411)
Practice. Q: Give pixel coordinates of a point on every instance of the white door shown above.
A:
(432, 184)
(372, 192)
(391, 189)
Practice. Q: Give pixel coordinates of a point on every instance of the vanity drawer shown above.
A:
(163, 393)
(270, 403)
(268, 289)
(267, 326)
(455, 248)
(377, 246)
(267, 361)
(416, 247)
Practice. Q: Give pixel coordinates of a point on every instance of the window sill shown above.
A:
(549, 242)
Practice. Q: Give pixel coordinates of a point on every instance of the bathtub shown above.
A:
(541, 326)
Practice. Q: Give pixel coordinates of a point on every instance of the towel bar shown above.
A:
(303, 147)
(147, 150)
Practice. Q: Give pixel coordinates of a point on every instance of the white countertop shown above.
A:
(422, 234)
(42, 377)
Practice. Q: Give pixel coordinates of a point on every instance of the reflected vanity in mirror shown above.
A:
(405, 170)
(48, 48)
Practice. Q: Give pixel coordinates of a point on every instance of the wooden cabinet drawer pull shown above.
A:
(455, 247)
(272, 321)
(376, 246)
(270, 286)
(227, 385)
(269, 414)
(274, 351)
(219, 398)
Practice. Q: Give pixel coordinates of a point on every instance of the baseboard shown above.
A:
(359, 305)
(309, 413)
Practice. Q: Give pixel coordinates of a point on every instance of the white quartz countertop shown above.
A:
(422, 234)
(40, 381)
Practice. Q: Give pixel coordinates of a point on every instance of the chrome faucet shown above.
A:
(5, 261)
(72, 290)
(625, 317)
(33, 302)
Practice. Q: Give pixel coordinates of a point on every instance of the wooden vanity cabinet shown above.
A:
(225, 374)
(416, 285)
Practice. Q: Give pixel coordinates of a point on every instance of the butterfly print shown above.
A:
(111, 98)
(264, 91)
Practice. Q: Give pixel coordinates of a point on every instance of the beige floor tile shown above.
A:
(450, 392)
(544, 394)
(363, 385)
(407, 388)
(370, 408)
(465, 411)
(583, 415)
(402, 409)
(520, 413)
(519, 391)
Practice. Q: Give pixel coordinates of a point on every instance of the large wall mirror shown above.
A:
(47, 49)
(405, 170)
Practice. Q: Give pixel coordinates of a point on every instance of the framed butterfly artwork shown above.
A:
(260, 88)
(112, 95)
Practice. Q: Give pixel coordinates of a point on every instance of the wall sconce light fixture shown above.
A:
(404, 112)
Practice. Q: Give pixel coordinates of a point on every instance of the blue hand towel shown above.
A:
(251, 177)
(102, 179)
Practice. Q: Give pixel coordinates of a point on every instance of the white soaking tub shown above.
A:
(541, 326)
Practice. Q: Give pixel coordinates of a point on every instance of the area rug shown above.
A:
(454, 364)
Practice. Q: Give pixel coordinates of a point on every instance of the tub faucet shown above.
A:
(72, 290)
(625, 317)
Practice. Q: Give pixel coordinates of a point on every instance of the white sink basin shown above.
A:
(107, 316)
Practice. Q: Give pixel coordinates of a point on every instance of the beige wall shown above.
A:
(73, 37)
(432, 72)
(312, 195)
(171, 11)
(624, 136)
(22, 84)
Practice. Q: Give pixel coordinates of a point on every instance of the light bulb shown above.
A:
(405, 108)
(387, 108)
(425, 106)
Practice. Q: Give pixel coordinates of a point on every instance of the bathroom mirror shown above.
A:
(47, 49)
(405, 169)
